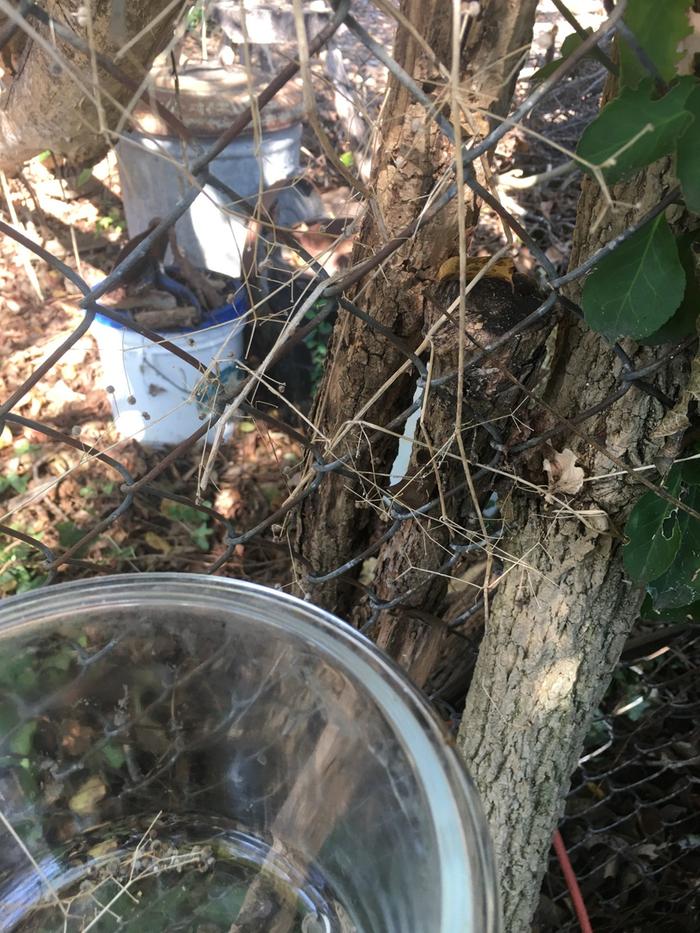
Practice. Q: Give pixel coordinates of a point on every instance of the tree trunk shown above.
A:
(337, 522)
(51, 102)
(562, 615)
(420, 558)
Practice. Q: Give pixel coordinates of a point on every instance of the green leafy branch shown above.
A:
(644, 285)
(663, 550)
(649, 280)
(647, 287)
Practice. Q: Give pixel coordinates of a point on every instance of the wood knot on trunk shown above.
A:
(494, 306)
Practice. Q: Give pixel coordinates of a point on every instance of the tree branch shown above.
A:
(53, 102)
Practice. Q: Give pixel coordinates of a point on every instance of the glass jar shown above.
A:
(182, 752)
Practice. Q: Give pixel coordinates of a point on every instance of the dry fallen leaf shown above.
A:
(103, 848)
(367, 571)
(564, 476)
(690, 46)
(76, 738)
(502, 269)
(672, 422)
(88, 796)
(156, 542)
(554, 254)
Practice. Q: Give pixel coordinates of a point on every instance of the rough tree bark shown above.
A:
(564, 611)
(560, 618)
(336, 523)
(44, 107)
(413, 564)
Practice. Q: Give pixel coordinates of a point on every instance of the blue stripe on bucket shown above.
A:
(223, 315)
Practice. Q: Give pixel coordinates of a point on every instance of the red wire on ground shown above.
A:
(572, 883)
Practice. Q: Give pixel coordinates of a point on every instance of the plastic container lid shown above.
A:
(207, 98)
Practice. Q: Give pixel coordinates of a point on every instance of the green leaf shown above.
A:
(689, 613)
(634, 129)
(221, 909)
(83, 177)
(200, 536)
(636, 288)
(14, 481)
(8, 721)
(113, 755)
(21, 741)
(69, 534)
(22, 446)
(654, 534)
(688, 156)
(680, 584)
(195, 521)
(347, 159)
(683, 322)
(61, 659)
(18, 672)
(568, 46)
(690, 471)
(31, 582)
(658, 28)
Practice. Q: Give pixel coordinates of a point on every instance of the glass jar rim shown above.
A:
(467, 871)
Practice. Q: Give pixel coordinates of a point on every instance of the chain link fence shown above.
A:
(631, 823)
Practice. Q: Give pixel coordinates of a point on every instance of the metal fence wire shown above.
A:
(631, 821)
(632, 818)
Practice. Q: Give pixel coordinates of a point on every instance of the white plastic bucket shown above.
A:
(156, 397)
(211, 236)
